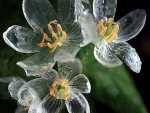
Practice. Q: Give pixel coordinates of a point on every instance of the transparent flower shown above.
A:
(110, 37)
(54, 36)
(66, 85)
(27, 99)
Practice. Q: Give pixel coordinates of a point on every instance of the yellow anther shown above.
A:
(59, 43)
(111, 37)
(50, 45)
(67, 90)
(63, 82)
(64, 35)
(53, 49)
(109, 20)
(103, 30)
(116, 28)
(54, 84)
(53, 22)
(57, 95)
(26, 108)
(51, 90)
(55, 37)
(51, 30)
(41, 44)
(45, 37)
(100, 23)
(66, 96)
(59, 28)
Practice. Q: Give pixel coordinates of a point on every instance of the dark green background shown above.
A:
(117, 90)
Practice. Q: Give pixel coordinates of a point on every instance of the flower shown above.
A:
(110, 37)
(54, 87)
(28, 100)
(54, 36)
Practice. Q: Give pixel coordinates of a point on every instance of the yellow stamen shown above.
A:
(54, 84)
(51, 30)
(109, 20)
(57, 95)
(66, 96)
(64, 35)
(59, 28)
(67, 90)
(26, 108)
(116, 28)
(111, 37)
(59, 43)
(100, 23)
(103, 30)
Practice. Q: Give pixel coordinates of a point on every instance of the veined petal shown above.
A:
(77, 103)
(38, 13)
(130, 25)
(103, 9)
(80, 83)
(80, 7)
(14, 87)
(69, 69)
(105, 56)
(89, 29)
(66, 11)
(49, 105)
(39, 62)
(22, 39)
(127, 54)
(32, 92)
(10, 79)
(50, 75)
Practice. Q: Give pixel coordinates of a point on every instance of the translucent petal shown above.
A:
(38, 13)
(10, 79)
(22, 39)
(20, 110)
(80, 83)
(89, 29)
(28, 97)
(39, 62)
(50, 75)
(80, 7)
(69, 69)
(35, 89)
(77, 103)
(130, 25)
(104, 9)
(105, 56)
(49, 105)
(14, 87)
(128, 55)
(66, 11)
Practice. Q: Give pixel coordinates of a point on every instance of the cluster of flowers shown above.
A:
(56, 38)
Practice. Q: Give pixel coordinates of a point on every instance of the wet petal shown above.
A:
(49, 105)
(80, 83)
(103, 9)
(22, 39)
(128, 55)
(89, 29)
(80, 7)
(69, 69)
(130, 25)
(105, 56)
(50, 75)
(39, 62)
(33, 91)
(77, 103)
(38, 13)
(10, 79)
(66, 11)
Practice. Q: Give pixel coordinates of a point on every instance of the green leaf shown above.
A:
(111, 86)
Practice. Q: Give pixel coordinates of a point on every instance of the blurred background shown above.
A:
(117, 90)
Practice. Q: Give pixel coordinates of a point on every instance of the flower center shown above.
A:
(108, 29)
(56, 38)
(59, 89)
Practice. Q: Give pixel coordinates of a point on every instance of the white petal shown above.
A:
(130, 25)
(39, 62)
(80, 83)
(128, 55)
(77, 103)
(105, 56)
(80, 7)
(89, 29)
(22, 39)
(38, 13)
(103, 9)
(50, 75)
(10, 79)
(69, 69)
(49, 105)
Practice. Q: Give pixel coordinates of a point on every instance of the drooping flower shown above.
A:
(27, 100)
(65, 85)
(110, 37)
(54, 36)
